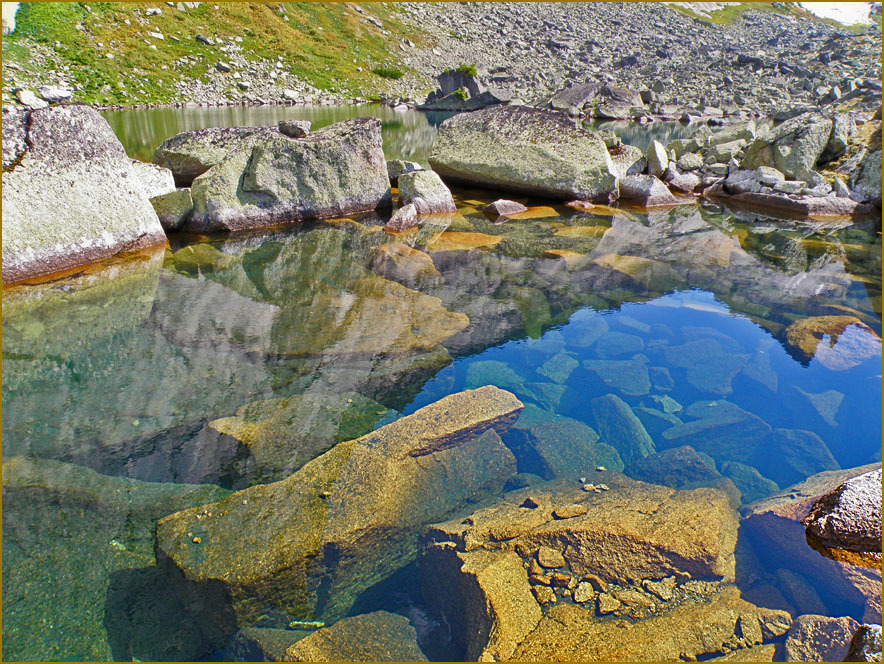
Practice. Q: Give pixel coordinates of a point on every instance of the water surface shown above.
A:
(127, 383)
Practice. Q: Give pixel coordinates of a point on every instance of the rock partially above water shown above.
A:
(70, 194)
(426, 191)
(267, 178)
(849, 518)
(793, 147)
(191, 153)
(370, 637)
(311, 543)
(524, 150)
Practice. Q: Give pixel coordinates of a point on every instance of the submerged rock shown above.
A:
(345, 520)
(792, 455)
(266, 178)
(78, 553)
(751, 484)
(426, 191)
(674, 467)
(405, 265)
(284, 434)
(620, 428)
(568, 633)
(724, 431)
(838, 342)
(370, 637)
(849, 518)
(813, 638)
(68, 158)
(561, 448)
(524, 150)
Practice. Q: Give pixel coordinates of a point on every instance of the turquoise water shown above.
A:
(122, 382)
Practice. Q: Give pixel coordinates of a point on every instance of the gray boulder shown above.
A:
(621, 429)
(173, 208)
(192, 153)
(658, 159)
(29, 99)
(843, 129)
(396, 167)
(792, 148)
(54, 93)
(426, 191)
(295, 128)
(647, 191)
(155, 180)
(268, 179)
(849, 517)
(403, 219)
(70, 193)
(689, 161)
(526, 150)
(627, 160)
(866, 182)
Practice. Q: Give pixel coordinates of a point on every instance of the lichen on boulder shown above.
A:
(525, 150)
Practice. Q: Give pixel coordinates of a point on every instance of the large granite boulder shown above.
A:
(525, 150)
(268, 178)
(793, 147)
(191, 153)
(370, 637)
(627, 543)
(848, 520)
(866, 181)
(310, 544)
(70, 194)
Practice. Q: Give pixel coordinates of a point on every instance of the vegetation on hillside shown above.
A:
(113, 53)
(729, 14)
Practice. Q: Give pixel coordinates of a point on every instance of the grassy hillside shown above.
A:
(729, 14)
(324, 44)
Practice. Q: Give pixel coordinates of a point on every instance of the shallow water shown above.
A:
(125, 383)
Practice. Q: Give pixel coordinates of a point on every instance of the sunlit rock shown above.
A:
(311, 543)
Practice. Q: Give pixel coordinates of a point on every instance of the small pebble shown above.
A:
(196, 540)
(324, 494)
(582, 480)
(600, 469)
(589, 487)
(603, 487)
(530, 502)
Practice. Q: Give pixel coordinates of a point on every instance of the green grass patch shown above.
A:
(462, 94)
(467, 69)
(324, 43)
(388, 72)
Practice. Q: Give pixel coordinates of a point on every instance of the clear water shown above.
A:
(112, 375)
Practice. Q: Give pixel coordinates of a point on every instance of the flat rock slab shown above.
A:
(816, 207)
(526, 150)
(813, 638)
(370, 637)
(70, 194)
(311, 543)
(267, 178)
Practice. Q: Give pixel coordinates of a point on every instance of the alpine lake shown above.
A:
(165, 379)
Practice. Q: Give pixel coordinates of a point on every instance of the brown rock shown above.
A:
(813, 638)
(763, 653)
(608, 603)
(570, 633)
(550, 558)
(806, 334)
(569, 511)
(371, 637)
(347, 518)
